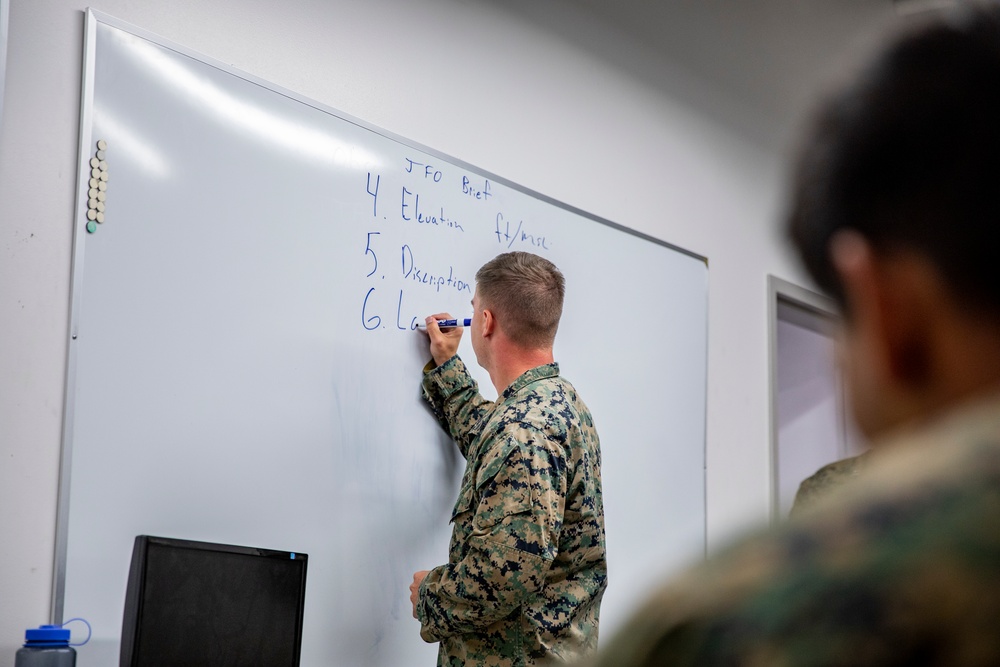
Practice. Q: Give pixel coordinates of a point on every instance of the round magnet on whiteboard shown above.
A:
(100, 217)
(91, 214)
(95, 172)
(92, 193)
(104, 176)
(101, 196)
(94, 182)
(100, 207)
(102, 186)
(91, 227)
(100, 155)
(102, 165)
(94, 162)
(102, 145)
(93, 203)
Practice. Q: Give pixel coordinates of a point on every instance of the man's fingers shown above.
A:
(418, 578)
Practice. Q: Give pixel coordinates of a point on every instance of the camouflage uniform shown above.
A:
(823, 482)
(526, 568)
(903, 570)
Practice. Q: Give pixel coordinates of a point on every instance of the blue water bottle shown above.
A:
(46, 646)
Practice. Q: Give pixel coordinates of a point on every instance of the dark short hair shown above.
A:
(908, 155)
(525, 293)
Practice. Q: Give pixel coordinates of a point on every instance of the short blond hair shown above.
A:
(525, 293)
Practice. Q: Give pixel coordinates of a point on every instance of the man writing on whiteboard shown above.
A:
(527, 565)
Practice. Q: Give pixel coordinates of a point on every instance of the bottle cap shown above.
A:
(46, 635)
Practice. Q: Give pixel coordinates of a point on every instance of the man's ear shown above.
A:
(489, 323)
(886, 310)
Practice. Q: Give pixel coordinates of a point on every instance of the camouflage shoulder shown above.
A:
(825, 480)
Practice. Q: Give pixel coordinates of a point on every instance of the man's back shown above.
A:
(528, 526)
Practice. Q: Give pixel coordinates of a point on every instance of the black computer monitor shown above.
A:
(196, 603)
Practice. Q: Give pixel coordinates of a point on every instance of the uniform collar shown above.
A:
(527, 377)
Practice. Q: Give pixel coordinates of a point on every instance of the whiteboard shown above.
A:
(244, 369)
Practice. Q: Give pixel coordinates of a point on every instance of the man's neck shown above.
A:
(515, 362)
(964, 369)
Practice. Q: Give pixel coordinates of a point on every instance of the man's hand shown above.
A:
(444, 342)
(418, 578)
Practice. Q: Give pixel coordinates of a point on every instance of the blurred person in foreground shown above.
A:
(895, 208)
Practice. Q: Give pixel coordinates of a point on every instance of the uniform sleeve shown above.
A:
(455, 401)
(515, 535)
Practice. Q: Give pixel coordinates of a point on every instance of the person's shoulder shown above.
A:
(834, 471)
(553, 403)
(839, 469)
(557, 392)
(911, 535)
(826, 479)
(539, 389)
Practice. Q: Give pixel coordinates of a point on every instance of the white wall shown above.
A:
(482, 82)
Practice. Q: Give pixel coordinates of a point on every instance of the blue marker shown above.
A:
(450, 324)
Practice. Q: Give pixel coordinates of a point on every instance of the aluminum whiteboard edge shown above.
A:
(79, 232)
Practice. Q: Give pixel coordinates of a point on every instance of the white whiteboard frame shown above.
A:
(93, 17)
(779, 290)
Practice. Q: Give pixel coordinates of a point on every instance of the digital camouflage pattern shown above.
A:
(824, 481)
(527, 567)
(904, 570)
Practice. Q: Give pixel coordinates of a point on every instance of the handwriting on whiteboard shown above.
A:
(428, 202)
(413, 272)
(508, 235)
(410, 210)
